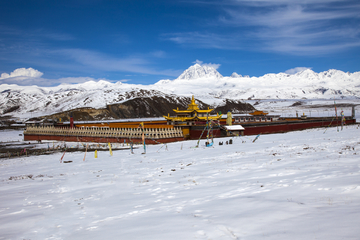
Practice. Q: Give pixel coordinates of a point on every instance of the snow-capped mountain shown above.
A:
(197, 71)
(205, 82)
(306, 84)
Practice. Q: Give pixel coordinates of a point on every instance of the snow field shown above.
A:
(11, 135)
(297, 185)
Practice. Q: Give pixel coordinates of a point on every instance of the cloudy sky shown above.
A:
(143, 41)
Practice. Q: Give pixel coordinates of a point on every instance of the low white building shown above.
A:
(235, 130)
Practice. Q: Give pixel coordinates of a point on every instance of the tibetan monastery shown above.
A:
(191, 115)
(191, 123)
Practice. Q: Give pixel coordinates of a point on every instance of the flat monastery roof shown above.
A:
(234, 127)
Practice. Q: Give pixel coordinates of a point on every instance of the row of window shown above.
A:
(251, 119)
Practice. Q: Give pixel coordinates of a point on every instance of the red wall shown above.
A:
(254, 130)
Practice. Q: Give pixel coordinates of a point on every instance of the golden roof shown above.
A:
(256, 113)
(192, 108)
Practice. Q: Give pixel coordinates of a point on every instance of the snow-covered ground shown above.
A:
(309, 107)
(11, 135)
(297, 185)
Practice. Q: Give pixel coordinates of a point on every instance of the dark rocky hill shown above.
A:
(144, 107)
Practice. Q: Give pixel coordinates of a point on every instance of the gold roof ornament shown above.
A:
(192, 105)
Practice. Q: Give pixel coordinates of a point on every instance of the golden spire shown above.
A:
(193, 105)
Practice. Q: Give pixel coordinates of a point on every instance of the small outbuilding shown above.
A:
(234, 130)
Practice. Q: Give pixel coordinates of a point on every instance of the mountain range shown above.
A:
(204, 82)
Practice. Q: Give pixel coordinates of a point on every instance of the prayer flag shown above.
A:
(63, 156)
(110, 149)
(86, 151)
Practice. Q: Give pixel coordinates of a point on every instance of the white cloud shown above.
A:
(198, 62)
(104, 62)
(204, 40)
(43, 82)
(296, 70)
(30, 76)
(22, 72)
(159, 54)
(299, 27)
(213, 65)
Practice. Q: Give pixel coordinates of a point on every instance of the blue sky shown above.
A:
(145, 41)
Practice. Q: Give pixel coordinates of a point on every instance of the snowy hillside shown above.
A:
(203, 81)
(34, 101)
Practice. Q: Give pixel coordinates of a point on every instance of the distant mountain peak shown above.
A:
(200, 71)
(306, 72)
